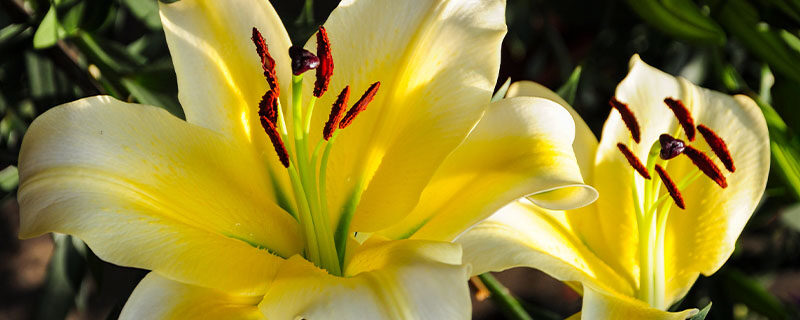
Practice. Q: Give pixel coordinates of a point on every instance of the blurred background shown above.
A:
(55, 51)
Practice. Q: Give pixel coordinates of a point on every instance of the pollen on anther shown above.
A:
(277, 142)
(706, 165)
(627, 117)
(671, 187)
(268, 106)
(337, 111)
(267, 63)
(683, 115)
(360, 105)
(633, 161)
(325, 69)
(718, 146)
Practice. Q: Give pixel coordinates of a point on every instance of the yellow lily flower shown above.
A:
(232, 230)
(635, 251)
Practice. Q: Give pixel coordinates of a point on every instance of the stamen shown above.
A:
(627, 117)
(360, 105)
(671, 187)
(268, 106)
(302, 60)
(683, 115)
(277, 143)
(670, 147)
(325, 70)
(336, 113)
(633, 161)
(704, 163)
(267, 63)
(718, 146)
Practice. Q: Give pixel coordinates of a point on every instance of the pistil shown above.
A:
(322, 247)
(652, 209)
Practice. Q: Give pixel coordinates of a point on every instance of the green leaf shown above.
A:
(742, 20)
(702, 314)
(568, 90)
(9, 178)
(744, 289)
(64, 276)
(47, 33)
(146, 11)
(501, 93)
(681, 19)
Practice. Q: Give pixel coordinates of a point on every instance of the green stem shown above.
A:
(503, 298)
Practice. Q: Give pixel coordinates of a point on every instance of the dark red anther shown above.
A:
(277, 142)
(671, 187)
(268, 106)
(267, 63)
(337, 110)
(627, 117)
(670, 147)
(360, 105)
(302, 60)
(633, 161)
(705, 164)
(718, 146)
(683, 115)
(325, 70)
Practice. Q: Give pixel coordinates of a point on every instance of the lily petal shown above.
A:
(405, 279)
(157, 297)
(715, 217)
(523, 234)
(585, 144)
(605, 305)
(521, 147)
(148, 190)
(220, 79)
(437, 62)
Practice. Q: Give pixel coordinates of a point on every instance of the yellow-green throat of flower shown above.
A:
(652, 209)
(307, 168)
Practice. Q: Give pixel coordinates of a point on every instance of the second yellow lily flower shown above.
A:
(667, 145)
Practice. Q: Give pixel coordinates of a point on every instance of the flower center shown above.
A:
(651, 206)
(307, 168)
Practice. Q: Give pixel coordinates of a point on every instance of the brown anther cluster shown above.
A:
(633, 161)
(672, 147)
(683, 115)
(302, 61)
(671, 187)
(627, 117)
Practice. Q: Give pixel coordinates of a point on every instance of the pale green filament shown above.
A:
(308, 176)
(320, 247)
(652, 221)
